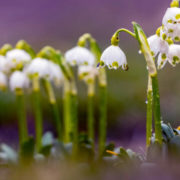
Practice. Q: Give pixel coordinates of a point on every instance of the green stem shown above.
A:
(157, 112)
(37, 112)
(149, 113)
(54, 108)
(22, 122)
(90, 112)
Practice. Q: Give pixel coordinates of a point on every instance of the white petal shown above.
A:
(174, 54)
(161, 62)
(38, 66)
(19, 80)
(114, 57)
(80, 56)
(3, 80)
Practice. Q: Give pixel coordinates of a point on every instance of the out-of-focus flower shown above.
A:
(3, 81)
(4, 64)
(17, 58)
(18, 80)
(79, 56)
(113, 57)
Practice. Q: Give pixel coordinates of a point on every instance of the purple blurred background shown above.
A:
(59, 23)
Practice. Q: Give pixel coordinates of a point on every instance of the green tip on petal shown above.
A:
(115, 64)
(175, 3)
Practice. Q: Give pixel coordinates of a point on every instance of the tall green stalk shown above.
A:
(22, 122)
(90, 112)
(149, 113)
(54, 107)
(37, 112)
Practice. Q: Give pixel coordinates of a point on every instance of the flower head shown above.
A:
(38, 66)
(113, 57)
(4, 64)
(18, 80)
(79, 56)
(3, 81)
(17, 58)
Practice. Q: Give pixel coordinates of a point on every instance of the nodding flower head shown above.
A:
(87, 73)
(3, 81)
(79, 56)
(157, 45)
(18, 80)
(113, 57)
(173, 56)
(38, 66)
(17, 58)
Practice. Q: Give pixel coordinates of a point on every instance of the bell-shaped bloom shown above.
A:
(87, 73)
(174, 54)
(157, 45)
(17, 58)
(79, 56)
(113, 57)
(172, 15)
(18, 80)
(38, 66)
(3, 80)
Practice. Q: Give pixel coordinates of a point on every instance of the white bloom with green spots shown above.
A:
(18, 80)
(157, 45)
(38, 66)
(79, 56)
(113, 57)
(174, 54)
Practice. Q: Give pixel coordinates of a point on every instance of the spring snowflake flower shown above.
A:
(4, 64)
(157, 45)
(87, 73)
(38, 66)
(79, 56)
(18, 80)
(113, 57)
(3, 80)
(17, 58)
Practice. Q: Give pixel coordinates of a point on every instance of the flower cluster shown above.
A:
(162, 43)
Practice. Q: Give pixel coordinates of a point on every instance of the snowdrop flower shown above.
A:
(4, 65)
(38, 66)
(157, 45)
(55, 73)
(18, 80)
(87, 73)
(113, 57)
(17, 58)
(79, 56)
(3, 81)
(172, 15)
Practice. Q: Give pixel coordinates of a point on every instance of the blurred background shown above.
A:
(59, 23)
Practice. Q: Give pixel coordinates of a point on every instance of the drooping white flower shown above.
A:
(113, 57)
(174, 54)
(3, 80)
(79, 56)
(172, 15)
(38, 66)
(157, 45)
(87, 73)
(17, 58)
(55, 73)
(18, 80)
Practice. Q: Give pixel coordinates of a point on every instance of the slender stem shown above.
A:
(37, 112)
(54, 108)
(157, 112)
(90, 112)
(127, 31)
(149, 113)
(22, 122)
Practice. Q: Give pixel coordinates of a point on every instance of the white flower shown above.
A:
(174, 54)
(38, 66)
(4, 64)
(113, 57)
(172, 15)
(161, 61)
(17, 58)
(18, 80)
(79, 56)
(55, 73)
(3, 80)
(157, 45)
(87, 73)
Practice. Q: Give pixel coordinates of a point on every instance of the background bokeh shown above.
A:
(59, 23)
